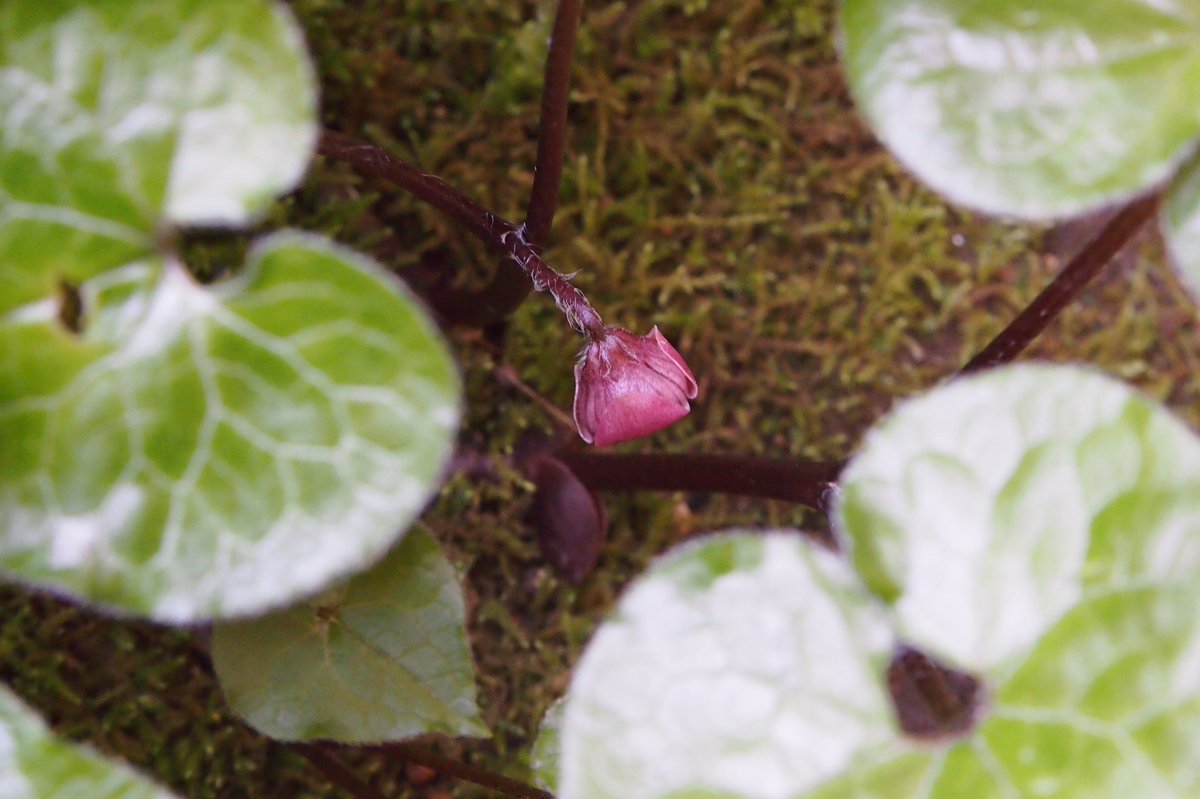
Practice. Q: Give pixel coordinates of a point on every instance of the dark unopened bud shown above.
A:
(629, 386)
(570, 521)
(932, 701)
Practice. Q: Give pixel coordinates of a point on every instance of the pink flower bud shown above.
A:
(629, 386)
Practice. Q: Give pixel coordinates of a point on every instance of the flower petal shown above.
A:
(629, 386)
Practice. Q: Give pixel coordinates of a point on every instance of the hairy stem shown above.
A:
(495, 231)
(508, 287)
(552, 126)
(1074, 277)
(374, 161)
(806, 482)
(507, 290)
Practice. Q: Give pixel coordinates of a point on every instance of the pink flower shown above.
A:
(629, 386)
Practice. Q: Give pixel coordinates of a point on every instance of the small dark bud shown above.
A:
(932, 701)
(570, 521)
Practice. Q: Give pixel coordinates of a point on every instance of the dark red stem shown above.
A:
(507, 289)
(495, 231)
(806, 482)
(377, 162)
(552, 126)
(324, 757)
(1074, 277)
(809, 483)
(338, 773)
(411, 753)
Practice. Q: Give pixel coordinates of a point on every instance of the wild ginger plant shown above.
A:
(1003, 607)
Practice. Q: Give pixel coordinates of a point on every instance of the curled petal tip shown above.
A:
(692, 388)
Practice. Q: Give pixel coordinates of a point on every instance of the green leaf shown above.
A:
(985, 509)
(118, 117)
(216, 452)
(383, 657)
(546, 749)
(1040, 525)
(1032, 108)
(745, 665)
(1181, 224)
(1104, 707)
(36, 765)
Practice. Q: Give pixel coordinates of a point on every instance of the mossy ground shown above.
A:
(719, 184)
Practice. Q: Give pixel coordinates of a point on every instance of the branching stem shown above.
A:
(508, 287)
(495, 231)
(811, 483)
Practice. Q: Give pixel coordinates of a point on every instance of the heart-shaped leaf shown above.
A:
(122, 119)
(1039, 524)
(744, 665)
(122, 116)
(984, 510)
(381, 658)
(1042, 525)
(193, 452)
(214, 452)
(36, 765)
(1032, 108)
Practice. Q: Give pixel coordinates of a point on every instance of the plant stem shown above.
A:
(421, 756)
(377, 162)
(323, 756)
(508, 287)
(507, 290)
(495, 231)
(1081, 269)
(570, 300)
(338, 773)
(552, 126)
(807, 482)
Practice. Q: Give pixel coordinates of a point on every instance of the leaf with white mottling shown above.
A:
(1105, 706)
(381, 658)
(1116, 683)
(36, 765)
(745, 665)
(201, 452)
(985, 509)
(1032, 108)
(1181, 224)
(1039, 525)
(120, 119)
(119, 116)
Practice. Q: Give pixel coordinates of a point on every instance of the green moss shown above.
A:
(719, 184)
